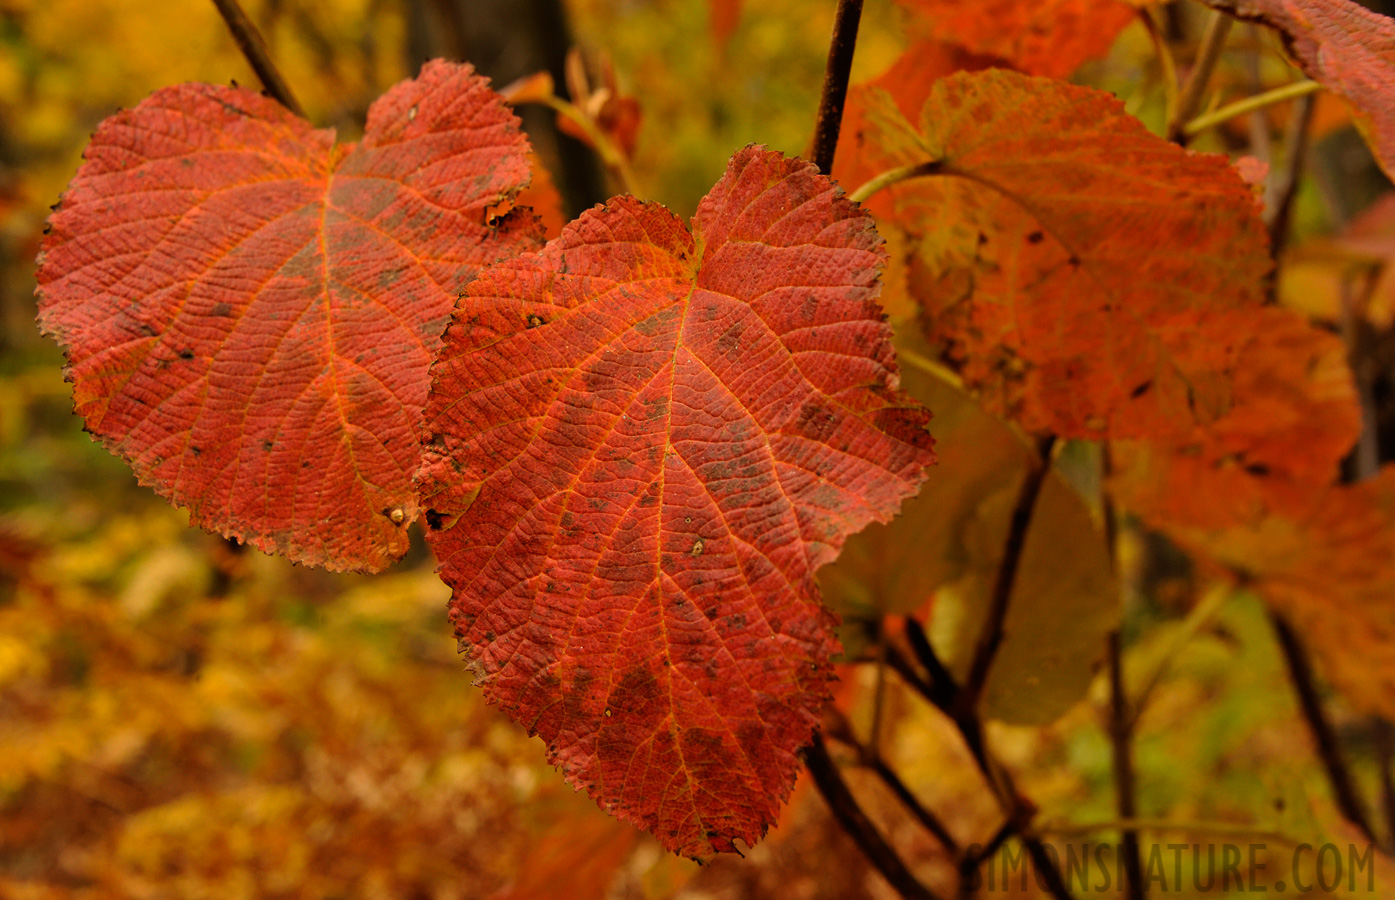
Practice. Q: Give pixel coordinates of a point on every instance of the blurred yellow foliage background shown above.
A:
(181, 719)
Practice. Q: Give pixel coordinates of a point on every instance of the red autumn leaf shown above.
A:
(644, 442)
(1066, 257)
(1348, 48)
(542, 198)
(1291, 414)
(250, 311)
(1043, 37)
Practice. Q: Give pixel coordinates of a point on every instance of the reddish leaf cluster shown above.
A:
(643, 440)
(1089, 280)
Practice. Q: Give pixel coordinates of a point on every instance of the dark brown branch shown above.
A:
(1018, 810)
(859, 827)
(836, 727)
(249, 41)
(1385, 757)
(1212, 42)
(1121, 722)
(1300, 671)
(909, 800)
(835, 82)
(970, 862)
(991, 637)
(1278, 210)
(942, 684)
(897, 660)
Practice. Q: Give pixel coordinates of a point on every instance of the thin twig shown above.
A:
(1239, 108)
(835, 82)
(249, 41)
(1212, 42)
(837, 728)
(859, 827)
(897, 660)
(1125, 794)
(923, 815)
(942, 683)
(1278, 207)
(970, 861)
(1300, 671)
(1017, 810)
(991, 637)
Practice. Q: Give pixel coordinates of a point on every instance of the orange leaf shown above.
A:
(1066, 257)
(1043, 37)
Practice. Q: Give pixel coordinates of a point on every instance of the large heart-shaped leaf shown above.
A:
(644, 440)
(250, 311)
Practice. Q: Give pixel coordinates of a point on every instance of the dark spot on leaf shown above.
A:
(186, 354)
(1036, 237)
(222, 309)
(1141, 389)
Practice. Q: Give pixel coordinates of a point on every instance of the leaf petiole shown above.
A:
(1249, 104)
(894, 176)
(613, 157)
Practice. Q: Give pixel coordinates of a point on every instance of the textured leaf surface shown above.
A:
(250, 312)
(1345, 46)
(645, 440)
(1066, 257)
(1043, 37)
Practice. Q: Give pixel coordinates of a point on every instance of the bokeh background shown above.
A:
(180, 718)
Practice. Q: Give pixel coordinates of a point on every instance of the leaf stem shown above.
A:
(1300, 671)
(835, 82)
(859, 827)
(991, 637)
(894, 176)
(1249, 104)
(249, 41)
(1212, 42)
(1121, 744)
(610, 154)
